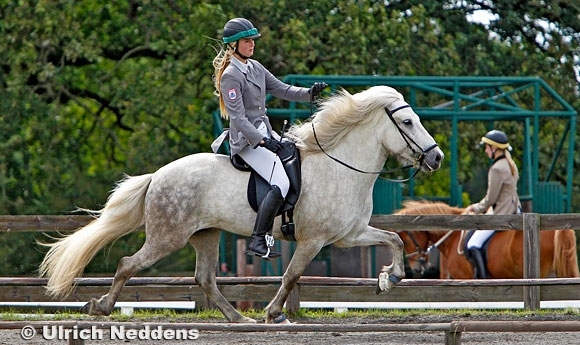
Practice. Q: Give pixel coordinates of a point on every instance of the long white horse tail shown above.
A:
(68, 257)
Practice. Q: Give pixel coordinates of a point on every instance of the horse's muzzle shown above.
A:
(432, 158)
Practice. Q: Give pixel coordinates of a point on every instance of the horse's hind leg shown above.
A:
(389, 275)
(206, 245)
(153, 250)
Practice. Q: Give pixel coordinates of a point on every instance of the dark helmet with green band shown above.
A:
(238, 28)
(497, 139)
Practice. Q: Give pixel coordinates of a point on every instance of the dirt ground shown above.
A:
(14, 337)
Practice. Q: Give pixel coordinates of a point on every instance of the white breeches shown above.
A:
(478, 239)
(268, 165)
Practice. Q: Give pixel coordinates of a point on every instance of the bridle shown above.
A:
(423, 253)
(418, 152)
(418, 250)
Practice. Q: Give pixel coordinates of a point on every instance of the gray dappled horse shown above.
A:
(193, 198)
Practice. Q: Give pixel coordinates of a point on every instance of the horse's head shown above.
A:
(353, 126)
(416, 244)
(404, 135)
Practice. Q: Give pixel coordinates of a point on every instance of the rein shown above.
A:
(419, 156)
(438, 243)
(423, 253)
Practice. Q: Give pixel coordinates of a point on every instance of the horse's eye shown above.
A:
(407, 122)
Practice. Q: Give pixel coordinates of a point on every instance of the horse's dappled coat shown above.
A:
(194, 198)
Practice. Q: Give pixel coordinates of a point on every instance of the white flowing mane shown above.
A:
(340, 112)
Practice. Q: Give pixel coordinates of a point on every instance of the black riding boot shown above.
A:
(479, 270)
(264, 222)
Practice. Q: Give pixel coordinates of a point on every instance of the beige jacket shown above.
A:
(502, 189)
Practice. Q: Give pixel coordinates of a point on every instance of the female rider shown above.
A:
(242, 84)
(502, 194)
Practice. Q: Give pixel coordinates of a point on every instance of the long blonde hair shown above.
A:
(508, 156)
(220, 62)
(513, 166)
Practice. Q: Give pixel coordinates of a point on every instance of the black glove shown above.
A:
(271, 144)
(317, 88)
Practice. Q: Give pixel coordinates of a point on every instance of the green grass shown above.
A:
(308, 315)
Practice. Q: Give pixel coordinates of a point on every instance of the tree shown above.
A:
(93, 90)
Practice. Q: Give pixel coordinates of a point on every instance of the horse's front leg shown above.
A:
(303, 255)
(388, 275)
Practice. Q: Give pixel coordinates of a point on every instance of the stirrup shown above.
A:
(269, 253)
(269, 244)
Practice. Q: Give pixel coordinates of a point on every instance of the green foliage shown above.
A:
(92, 90)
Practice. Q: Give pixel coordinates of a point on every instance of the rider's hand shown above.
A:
(271, 144)
(317, 88)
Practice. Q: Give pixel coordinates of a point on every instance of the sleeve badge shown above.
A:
(232, 94)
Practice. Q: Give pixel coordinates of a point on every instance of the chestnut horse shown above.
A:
(505, 258)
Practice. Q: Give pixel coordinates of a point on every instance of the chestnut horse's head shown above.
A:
(417, 243)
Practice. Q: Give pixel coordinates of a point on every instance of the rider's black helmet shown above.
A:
(239, 28)
(497, 139)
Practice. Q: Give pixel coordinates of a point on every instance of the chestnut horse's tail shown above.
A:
(565, 256)
(68, 257)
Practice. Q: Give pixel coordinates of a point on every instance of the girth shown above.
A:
(258, 187)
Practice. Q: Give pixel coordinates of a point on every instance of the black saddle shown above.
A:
(258, 187)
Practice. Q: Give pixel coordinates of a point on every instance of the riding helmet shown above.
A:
(239, 28)
(497, 139)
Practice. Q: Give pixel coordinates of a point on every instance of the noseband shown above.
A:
(423, 256)
(418, 152)
(423, 253)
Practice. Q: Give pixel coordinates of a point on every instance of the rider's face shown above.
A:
(489, 150)
(246, 46)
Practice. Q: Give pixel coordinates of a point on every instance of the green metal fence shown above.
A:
(548, 197)
(485, 99)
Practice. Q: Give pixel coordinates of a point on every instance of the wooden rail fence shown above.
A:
(530, 289)
(309, 289)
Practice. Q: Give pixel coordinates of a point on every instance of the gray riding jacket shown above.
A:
(244, 88)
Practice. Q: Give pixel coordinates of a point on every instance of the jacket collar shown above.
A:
(246, 68)
(498, 158)
(243, 67)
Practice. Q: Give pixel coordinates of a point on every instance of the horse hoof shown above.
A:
(86, 309)
(91, 309)
(279, 320)
(247, 320)
(386, 282)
